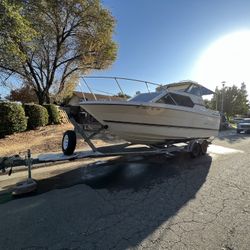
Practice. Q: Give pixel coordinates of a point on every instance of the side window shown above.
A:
(182, 100)
(166, 100)
(195, 90)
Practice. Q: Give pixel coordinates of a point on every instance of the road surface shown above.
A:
(135, 203)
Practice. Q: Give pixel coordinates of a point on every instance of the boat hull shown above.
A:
(153, 123)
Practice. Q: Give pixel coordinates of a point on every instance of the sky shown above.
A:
(165, 41)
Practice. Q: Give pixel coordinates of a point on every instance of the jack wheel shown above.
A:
(69, 142)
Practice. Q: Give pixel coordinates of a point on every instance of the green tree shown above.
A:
(46, 42)
(235, 100)
(208, 104)
(243, 100)
(64, 96)
(123, 95)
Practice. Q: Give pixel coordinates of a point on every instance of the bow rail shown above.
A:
(116, 81)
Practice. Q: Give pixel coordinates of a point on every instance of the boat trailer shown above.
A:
(194, 146)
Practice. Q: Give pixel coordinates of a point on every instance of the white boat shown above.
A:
(173, 113)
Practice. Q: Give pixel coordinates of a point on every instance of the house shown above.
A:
(78, 97)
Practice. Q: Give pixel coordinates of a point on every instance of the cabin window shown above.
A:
(167, 100)
(195, 90)
(182, 100)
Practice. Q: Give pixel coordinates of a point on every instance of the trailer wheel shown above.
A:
(69, 142)
(195, 149)
(204, 146)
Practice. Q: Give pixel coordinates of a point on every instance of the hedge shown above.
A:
(37, 115)
(54, 117)
(12, 118)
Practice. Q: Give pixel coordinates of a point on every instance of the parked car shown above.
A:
(237, 119)
(243, 125)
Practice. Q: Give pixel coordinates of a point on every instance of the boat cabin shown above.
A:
(190, 87)
(186, 93)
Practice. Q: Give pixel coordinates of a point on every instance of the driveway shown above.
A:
(136, 203)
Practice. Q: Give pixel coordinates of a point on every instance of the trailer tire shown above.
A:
(195, 149)
(204, 146)
(69, 142)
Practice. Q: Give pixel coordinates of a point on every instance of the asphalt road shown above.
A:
(136, 203)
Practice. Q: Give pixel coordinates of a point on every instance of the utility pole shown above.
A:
(222, 97)
(216, 103)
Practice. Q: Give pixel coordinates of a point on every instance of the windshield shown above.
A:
(145, 97)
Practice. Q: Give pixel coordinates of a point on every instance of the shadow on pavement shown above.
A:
(135, 196)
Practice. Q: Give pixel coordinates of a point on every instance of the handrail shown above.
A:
(119, 85)
(122, 78)
(90, 89)
(116, 81)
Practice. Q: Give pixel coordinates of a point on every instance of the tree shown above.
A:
(25, 94)
(123, 95)
(64, 96)
(208, 104)
(244, 108)
(47, 42)
(235, 100)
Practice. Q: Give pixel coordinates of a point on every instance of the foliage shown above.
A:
(16, 31)
(12, 118)
(63, 117)
(208, 104)
(235, 100)
(37, 115)
(25, 94)
(53, 113)
(123, 95)
(46, 42)
(64, 96)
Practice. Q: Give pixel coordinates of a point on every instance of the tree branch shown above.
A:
(11, 70)
(33, 74)
(68, 60)
(65, 76)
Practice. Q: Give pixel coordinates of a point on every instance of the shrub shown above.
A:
(12, 118)
(53, 113)
(63, 117)
(37, 115)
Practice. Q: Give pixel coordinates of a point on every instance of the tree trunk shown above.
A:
(43, 97)
(40, 98)
(47, 98)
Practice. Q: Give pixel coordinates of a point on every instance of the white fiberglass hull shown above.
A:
(153, 123)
